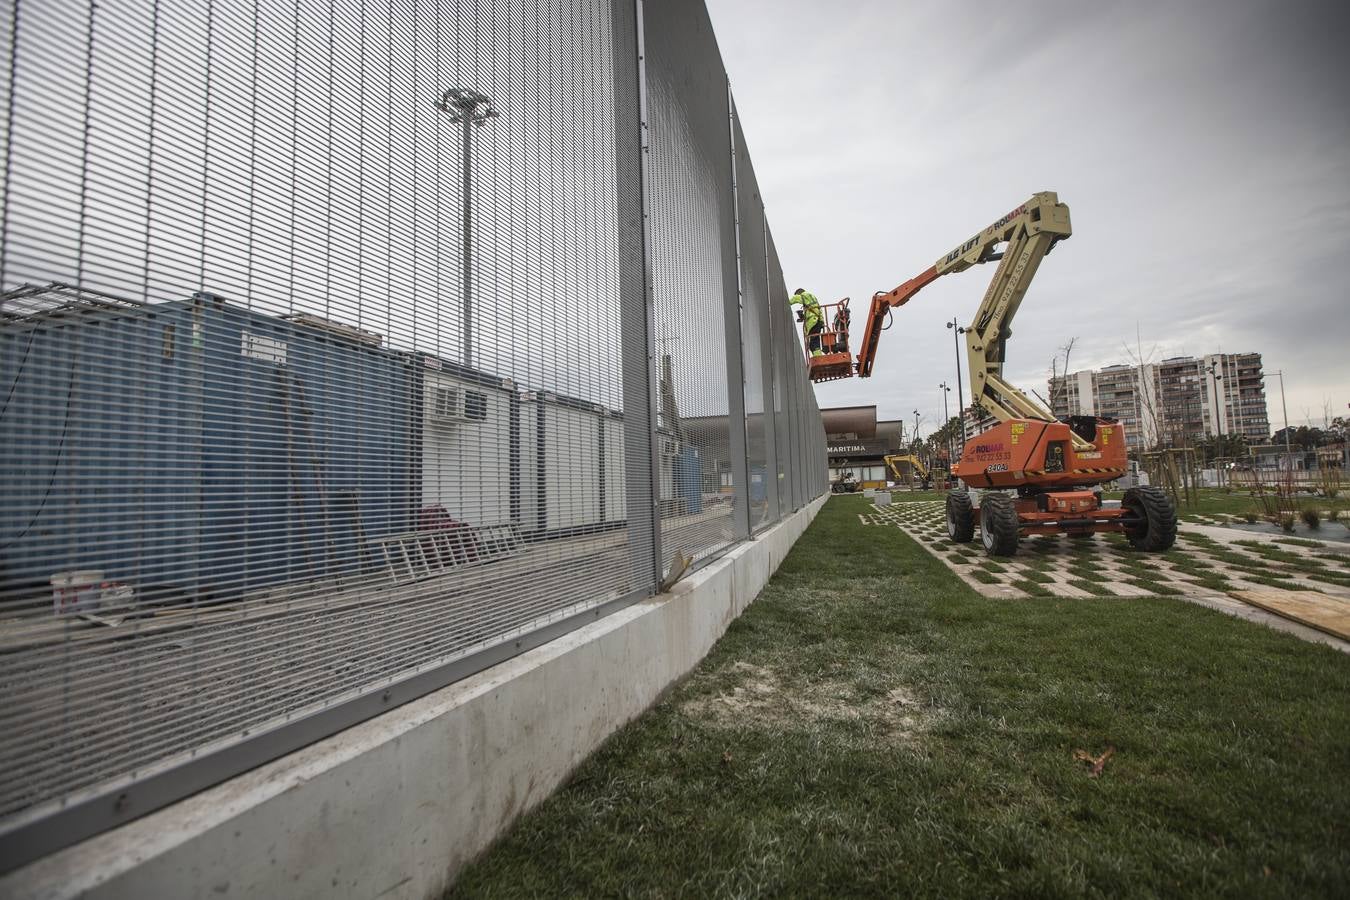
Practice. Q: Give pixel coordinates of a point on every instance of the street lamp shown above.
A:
(946, 419)
(471, 109)
(918, 448)
(1288, 454)
(957, 331)
(1214, 374)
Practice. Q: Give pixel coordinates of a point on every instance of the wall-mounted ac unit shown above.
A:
(455, 404)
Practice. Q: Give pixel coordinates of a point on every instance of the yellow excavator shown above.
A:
(894, 461)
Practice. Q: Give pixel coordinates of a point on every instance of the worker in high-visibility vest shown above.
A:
(810, 317)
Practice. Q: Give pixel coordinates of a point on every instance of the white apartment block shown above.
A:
(1174, 402)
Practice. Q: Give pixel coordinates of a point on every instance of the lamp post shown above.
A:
(470, 109)
(946, 420)
(957, 331)
(918, 448)
(1216, 377)
(1288, 454)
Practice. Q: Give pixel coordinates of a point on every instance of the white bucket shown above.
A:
(76, 592)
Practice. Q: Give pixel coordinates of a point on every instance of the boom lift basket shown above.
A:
(835, 363)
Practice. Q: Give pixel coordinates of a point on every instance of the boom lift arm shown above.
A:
(1019, 241)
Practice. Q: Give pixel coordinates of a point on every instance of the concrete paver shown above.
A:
(1214, 562)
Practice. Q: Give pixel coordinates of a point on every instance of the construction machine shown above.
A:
(847, 483)
(834, 361)
(1032, 473)
(895, 460)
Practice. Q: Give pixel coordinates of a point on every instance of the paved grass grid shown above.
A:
(871, 726)
(1207, 563)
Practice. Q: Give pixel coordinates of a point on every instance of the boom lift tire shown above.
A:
(960, 517)
(1156, 530)
(998, 524)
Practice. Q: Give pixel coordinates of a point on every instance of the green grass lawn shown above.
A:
(871, 726)
(905, 495)
(1213, 502)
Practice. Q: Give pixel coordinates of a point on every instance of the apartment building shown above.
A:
(1174, 402)
(1236, 394)
(1126, 393)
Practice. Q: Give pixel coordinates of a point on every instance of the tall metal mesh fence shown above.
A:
(348, 348)
(693, 254)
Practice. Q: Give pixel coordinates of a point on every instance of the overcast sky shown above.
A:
(1203, 147)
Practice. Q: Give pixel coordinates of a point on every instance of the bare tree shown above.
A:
(1058, 387)
(1168, 431)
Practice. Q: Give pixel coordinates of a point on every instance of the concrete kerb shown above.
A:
(396, 806)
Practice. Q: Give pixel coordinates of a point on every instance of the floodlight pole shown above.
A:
(1216, 378)
(470, 109)
(1288, 453)
(946, 420)
(957, 331)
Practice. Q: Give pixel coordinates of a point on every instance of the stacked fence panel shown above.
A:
(346, 348)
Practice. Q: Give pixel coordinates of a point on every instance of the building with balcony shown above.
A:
(1172, 403)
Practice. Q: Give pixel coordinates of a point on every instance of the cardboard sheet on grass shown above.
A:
(1311, 608)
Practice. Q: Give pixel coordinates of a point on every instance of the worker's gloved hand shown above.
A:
(801, 317)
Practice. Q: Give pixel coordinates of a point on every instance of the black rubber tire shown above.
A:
(960, 517)
(1157, 529)
(998, 525)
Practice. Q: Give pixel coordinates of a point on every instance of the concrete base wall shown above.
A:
(394, 807)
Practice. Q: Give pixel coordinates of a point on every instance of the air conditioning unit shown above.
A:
(447, 405)
(455, 404)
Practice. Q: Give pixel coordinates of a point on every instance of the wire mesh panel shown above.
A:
(336, 359)
(817, 465)
(312, 359)
(787, 361)
(756, 339)
(693, 261)
(795, 391)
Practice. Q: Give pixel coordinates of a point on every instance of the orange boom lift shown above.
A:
(1031, 473)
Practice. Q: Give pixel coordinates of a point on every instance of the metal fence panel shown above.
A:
(756, 340)
(790, 384)
(693, 257)
(783, 340)
(346, 349)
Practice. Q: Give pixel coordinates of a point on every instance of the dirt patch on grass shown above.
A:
(758, 697)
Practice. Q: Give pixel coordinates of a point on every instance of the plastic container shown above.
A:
(76, 591)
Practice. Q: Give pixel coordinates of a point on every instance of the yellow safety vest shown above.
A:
(810, 305)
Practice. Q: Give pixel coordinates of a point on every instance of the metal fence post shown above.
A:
(645, 523)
